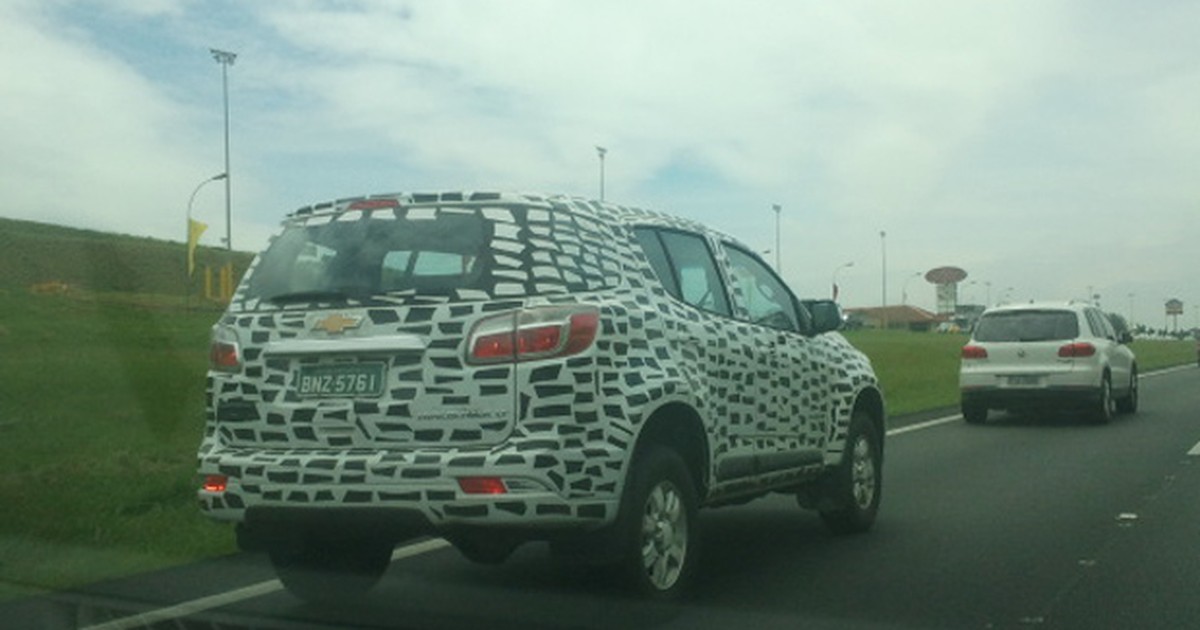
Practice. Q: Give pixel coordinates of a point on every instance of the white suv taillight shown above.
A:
(974, 352)
(1077, 350)
(225, 353)
(533, 333)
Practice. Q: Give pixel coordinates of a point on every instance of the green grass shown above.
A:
(916, 370)
(1156, 354)
(100, 415)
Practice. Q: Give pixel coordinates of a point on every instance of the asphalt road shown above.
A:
(1026, 522)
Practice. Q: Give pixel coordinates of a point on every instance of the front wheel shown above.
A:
(658, 524)
(330, 570)
(854, 487)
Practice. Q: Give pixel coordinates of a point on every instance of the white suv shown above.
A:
(496, 368)
(1064, 354)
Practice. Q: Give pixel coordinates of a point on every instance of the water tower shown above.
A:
(946, 280)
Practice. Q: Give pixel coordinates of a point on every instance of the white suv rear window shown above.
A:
(1031, 325)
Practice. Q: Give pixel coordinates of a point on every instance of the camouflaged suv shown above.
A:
(497, 368)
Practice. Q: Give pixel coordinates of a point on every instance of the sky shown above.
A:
(1049, 148)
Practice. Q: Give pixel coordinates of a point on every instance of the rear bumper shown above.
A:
(1013, 398)
(416, 489)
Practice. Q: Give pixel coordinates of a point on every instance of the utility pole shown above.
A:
(883, 298)
(226, 58)
(601, 151)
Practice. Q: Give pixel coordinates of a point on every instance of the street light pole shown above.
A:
(883, 292)
(601, 151)
(777, 208)
(833, 278)
(226, 58)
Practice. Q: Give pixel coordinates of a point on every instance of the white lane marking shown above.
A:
(1195, 449)
(928, 424)
(1170, 370)
(267, 587)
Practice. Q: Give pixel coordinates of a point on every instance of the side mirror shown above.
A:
(1125, 337)
(826, 315)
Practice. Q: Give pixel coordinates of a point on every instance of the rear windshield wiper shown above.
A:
(322, 295)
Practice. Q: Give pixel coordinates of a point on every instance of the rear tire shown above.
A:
(1105, 407)
(328, 570)
(855, 486)
(974, 413)
(1129, 403)
(657, 526)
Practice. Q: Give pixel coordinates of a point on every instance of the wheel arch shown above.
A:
(870, 401)
(678, 426)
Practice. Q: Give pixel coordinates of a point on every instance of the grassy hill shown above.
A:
(35, 253)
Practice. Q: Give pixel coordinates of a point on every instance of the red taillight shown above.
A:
(215, 483)
(536, 333)
(482, 485)
(974, 352)
(540, 340)
(225, 354)
(1077, 350)
(583, 331)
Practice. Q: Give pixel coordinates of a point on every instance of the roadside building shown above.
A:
(896, 317)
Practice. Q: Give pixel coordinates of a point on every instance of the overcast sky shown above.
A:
(1045, 147)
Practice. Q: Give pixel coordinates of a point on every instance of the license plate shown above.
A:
(340, 380)
(1024, 381)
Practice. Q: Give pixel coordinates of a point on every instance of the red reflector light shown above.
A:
(482, 485)
(1076, 350)
(215, 483)
(974, 352)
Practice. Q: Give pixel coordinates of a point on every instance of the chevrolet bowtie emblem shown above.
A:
(337, 323)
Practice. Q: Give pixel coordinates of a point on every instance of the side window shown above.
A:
(658, 259)
(1099, 324)
(760, 293)
(696, 275)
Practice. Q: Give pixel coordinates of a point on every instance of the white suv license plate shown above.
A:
(340, 380)
(1024, 380)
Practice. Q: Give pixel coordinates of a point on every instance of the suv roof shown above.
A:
(602, 209)
(1073, 305)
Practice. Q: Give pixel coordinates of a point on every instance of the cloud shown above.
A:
(86, 137)
(1007, 138)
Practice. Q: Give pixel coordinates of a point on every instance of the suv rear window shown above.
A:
(465, 253)
(1032, 325)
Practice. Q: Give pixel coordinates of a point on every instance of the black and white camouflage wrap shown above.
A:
(560, 432)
